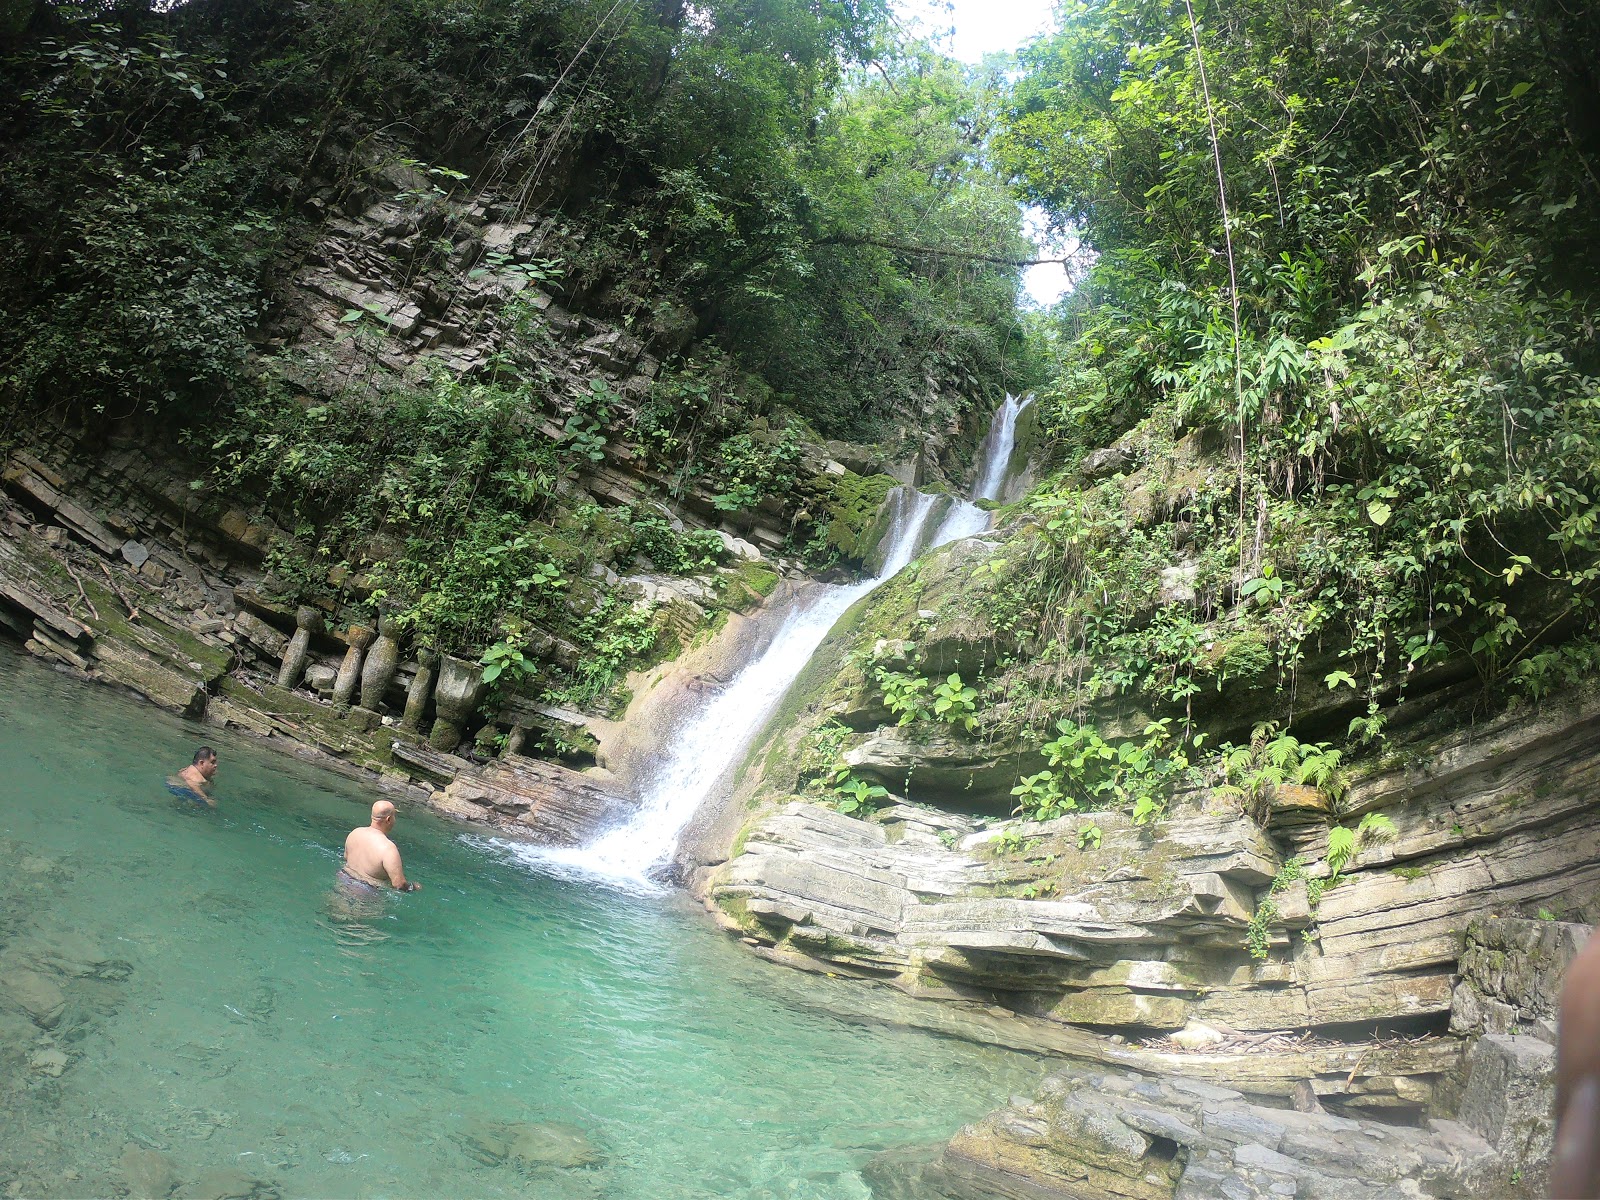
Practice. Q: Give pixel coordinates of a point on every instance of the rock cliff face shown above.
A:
(121, 563)
(1396, 994)
(1393, 991)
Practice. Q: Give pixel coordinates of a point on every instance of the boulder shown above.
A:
(148, 1173)
(1511, 973)
(32, 993)
(1507, 1100)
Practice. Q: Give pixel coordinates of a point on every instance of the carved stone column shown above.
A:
(456, 697)
(420, 691)
(307, 623)
(358, 637)
(383, 660)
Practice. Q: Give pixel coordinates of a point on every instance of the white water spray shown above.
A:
(966, 519)
(995, 457)
(705, 750)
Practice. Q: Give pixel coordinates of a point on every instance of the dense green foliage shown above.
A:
(1341, 324)
(453, 512)
(810, 248)
(720, 174)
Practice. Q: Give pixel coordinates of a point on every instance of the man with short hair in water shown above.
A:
(371, 860)
(192, 780)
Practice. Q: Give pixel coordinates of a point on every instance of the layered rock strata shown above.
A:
(1147, 932)
(1114, 1136)
(1092, 1134)
(142, 582)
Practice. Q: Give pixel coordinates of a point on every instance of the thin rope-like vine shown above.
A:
(1233, 277)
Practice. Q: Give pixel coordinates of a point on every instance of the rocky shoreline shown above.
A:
(1120, 963)
(1414, 1000)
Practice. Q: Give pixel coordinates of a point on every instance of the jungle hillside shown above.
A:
(1334, 308)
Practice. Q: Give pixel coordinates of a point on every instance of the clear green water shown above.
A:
(242, 1018)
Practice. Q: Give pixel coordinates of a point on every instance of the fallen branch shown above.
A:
(133, 609)
(92, 609)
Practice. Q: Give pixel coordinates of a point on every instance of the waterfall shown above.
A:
(707, 748)
(995, 457)
(966, 519)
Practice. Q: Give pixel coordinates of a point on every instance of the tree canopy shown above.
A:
(737, 156)
(1355, 244)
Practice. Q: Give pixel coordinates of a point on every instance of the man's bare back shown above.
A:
(197, 775)
(370, 857)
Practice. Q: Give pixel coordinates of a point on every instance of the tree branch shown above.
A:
(842, 239)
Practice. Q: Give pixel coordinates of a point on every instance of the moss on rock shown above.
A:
(856, 521)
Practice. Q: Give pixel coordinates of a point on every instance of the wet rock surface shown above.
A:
(1116, 1135)
(529, 1144)
(543, 801)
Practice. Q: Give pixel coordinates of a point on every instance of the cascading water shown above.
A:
(995, 457)
(707, 747)
(966, 519)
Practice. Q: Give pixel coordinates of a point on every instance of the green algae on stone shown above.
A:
(856, 520)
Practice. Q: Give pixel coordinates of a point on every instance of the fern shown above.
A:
(1375, 827)
(1341, 845)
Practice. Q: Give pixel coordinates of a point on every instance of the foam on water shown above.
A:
(226, 1006)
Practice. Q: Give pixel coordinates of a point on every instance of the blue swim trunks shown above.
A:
(187, 793)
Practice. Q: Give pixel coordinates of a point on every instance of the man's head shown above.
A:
(383, 816)
(205, 761)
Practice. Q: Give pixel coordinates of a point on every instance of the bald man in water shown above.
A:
(370, 859)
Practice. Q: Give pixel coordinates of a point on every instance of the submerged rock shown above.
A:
(149, 1173)
(529, 1144)
(227, 1184)
(34, 994)
(70, 953)
(16, 1032)
(552, 1144)
(50, 1061)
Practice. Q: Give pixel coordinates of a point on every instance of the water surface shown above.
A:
(226, 1008)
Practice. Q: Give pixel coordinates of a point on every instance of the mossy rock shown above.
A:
(1246, 654)
(855, 515)
(746, 583)
(738, 911)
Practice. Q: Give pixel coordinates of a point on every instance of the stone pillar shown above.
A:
(307, 623)
(383, 660)
(358, 637)
(455, 697)
(421, 689)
